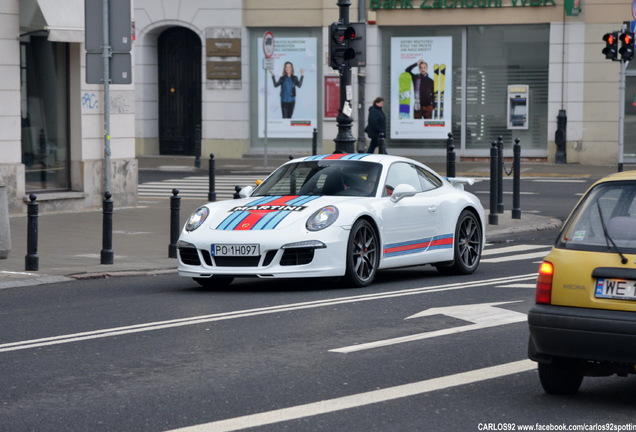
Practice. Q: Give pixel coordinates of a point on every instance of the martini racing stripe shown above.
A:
(264, 213)
(343, 156)
(415, 246)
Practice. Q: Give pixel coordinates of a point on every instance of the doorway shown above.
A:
(179, 64)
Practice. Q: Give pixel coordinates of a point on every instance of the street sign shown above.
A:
(268, 64)
(268, 44)
(120, 67)
(119, 25)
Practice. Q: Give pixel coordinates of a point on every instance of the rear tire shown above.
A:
(560, 377)
(362, 254)
(214, 282)
(467, 247)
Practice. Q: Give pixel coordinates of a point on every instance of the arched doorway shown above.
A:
(179, 64)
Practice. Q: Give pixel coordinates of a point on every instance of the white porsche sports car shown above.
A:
(336, 215)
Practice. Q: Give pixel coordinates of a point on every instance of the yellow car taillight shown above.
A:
(543, 293)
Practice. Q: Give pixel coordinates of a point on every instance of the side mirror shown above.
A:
(402, 191)
(246, 191)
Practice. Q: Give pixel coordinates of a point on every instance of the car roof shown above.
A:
(367, 157)
(619, 176)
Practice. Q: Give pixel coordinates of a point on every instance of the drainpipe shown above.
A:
(362, 71)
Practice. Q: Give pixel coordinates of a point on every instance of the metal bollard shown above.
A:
(500, 171)
(175, 206)
(31, 260)
(314, 142)
(493, 217)
(450, 156)
(381, 144)
(212, 169)
(107, 255)
(516, 180)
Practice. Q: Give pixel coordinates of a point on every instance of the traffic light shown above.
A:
(627, 46)
(611, 45)
(339, 49)
(346, 43)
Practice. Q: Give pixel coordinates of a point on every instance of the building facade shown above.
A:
(212, 77)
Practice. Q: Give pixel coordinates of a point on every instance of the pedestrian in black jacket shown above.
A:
(376, 125)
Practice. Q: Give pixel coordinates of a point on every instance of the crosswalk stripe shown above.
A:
(510, 249)
(196, 187)
(534, 255)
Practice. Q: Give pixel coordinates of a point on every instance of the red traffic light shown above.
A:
(627, 38)
(611, 45)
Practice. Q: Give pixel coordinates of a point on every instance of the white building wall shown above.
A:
(225, 112)
(11, 168)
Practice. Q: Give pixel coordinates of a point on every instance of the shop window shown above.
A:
(44, 98)
(499, 56)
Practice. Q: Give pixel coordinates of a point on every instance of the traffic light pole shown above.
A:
(621, 115)
(344, 140)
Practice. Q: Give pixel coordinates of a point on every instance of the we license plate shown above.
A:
(235, 250)
(615, 289)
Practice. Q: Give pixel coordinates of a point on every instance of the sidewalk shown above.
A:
(69, 244)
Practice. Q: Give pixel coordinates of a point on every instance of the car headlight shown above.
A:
(197, 218)
(322, 218)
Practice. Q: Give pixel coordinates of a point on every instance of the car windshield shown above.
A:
(323, 177)
(604, 221)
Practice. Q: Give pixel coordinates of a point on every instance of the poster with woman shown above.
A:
(291, 89)
(421, 90)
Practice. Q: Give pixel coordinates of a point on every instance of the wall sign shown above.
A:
(456, 4)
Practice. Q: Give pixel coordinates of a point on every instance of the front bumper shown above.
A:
(275, 261)
(587, 334)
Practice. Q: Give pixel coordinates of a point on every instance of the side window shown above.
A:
(402, 173)
(428, 180)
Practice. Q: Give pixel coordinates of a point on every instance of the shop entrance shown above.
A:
(179, 63)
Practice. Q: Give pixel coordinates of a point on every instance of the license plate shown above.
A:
(620, 289)
(235, 250)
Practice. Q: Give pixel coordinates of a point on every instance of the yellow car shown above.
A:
(584, 320)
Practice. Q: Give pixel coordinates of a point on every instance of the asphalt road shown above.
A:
(415, 351)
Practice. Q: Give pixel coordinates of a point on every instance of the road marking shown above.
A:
(180, 322)
(510, 249)
(559, 181)
(519, 285)
(483, 315)
(534, 255)
(362, 399)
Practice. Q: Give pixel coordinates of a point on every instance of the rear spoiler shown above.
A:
(459, 182)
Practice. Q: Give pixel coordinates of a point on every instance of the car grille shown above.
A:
(251, 261)
(189, 256)
(291, 257)
(298, 256)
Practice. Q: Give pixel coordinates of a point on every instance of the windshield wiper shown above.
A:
(608, 238)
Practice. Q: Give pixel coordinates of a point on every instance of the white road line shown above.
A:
(180, 322)
(559, 181)
(518, 285)
(510, 249)
(534, 255)
(362, 399)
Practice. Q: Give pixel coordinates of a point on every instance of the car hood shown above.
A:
(268, 212)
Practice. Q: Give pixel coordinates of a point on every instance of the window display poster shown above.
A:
(291, 89)
(421, 87)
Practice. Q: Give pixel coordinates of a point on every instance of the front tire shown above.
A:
(560, 377)
(362, 254)
(468, 245)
